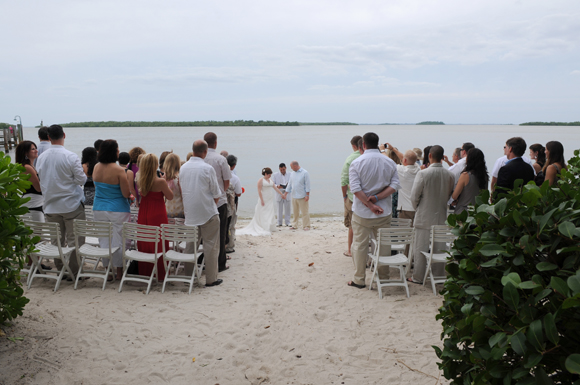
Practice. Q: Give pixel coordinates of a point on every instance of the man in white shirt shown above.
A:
(223, 174)
(459, 166)
(407, 173)
(44, 142)
(61, 177)
(201, 193)
(431, 191)
(236, 186)
(373, 179)
(281, 180)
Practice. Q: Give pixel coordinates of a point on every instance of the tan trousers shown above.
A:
(210, 232)
(347, 212)
(67, 235)
(362, 229)
(403, 214)
(299, 205)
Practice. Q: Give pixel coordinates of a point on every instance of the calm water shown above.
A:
(319, 149)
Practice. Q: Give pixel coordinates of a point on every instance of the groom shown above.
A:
(281, 180)
(299, 186)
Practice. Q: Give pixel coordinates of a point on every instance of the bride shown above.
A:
(264, 221)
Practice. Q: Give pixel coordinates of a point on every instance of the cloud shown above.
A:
(575, 72)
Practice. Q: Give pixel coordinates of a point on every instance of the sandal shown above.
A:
(351, 283)
(413, 281)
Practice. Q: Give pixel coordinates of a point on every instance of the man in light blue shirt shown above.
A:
(299, 187)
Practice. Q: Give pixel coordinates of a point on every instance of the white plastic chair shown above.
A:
(395, 222)
(89, 213)
(49, 232)
(177, 234)
(90, 253)
(140, 233)
(392, 236)
(134, 214)
(441, 236)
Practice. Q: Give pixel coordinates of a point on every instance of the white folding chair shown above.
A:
(392, 236)
(395, 222)
(89, 213)
(441, 240)
(140, 233)
(177, 234)
(49, 232)
(90, 253)
(401, 222)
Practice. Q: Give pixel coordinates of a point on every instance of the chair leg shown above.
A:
(153, 275)
(107, 272)
(166, 275)
(126, 268)
(427, 270)
(403, 272)
(373, 277)
(80, 271)
(38, 261)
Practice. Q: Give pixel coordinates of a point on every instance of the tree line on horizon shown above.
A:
(550, 124)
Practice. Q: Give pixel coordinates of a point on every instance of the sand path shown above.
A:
(275, 320)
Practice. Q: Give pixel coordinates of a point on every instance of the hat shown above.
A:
(419, 153)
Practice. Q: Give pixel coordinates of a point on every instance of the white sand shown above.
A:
(275, 319)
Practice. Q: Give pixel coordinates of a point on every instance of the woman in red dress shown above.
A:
(151, 209)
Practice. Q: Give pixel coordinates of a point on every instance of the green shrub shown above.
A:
(15, 239)
(511, 311)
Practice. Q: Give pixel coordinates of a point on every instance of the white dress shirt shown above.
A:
(407, 176)
(236, 184)
(199, 188)
(503, 160)
(458, 168)
(371, 173)
(61, 177)
(222, 171)
(280, 179)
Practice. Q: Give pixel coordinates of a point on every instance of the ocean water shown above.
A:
(319, 149)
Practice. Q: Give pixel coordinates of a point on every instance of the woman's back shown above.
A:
(467, 197)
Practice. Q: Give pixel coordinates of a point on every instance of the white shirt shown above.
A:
(458, 168)
(61, 177)
(236, 184)
(371, 173)
(407, 176)
(278, 180)
(42, 147)
(503, 160)
(199, 188)
(222, 171)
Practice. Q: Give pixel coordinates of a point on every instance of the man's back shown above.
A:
(429, 195)
(515, 169)
(199, 187)
(222, 171)
(61, 177)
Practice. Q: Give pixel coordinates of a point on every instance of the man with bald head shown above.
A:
(201, 193)
(299, 187)
(407, 173)
(223, 174)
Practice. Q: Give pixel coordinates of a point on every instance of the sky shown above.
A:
(363, 61)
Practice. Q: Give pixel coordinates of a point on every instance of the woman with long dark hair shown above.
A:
(555, 161)
(537, 153)
(89, 160)
(26, 154)
(473, 179)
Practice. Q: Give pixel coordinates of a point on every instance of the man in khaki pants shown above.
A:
(373, 179)
(201, 193)
(299, 186)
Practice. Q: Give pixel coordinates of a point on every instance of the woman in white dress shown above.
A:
(264, 220)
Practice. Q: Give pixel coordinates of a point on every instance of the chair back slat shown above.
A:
(395, 236)
(134, 214)
(141, 233)
(89, 213)
(442, 234)
(93, 229)
(176, 233)
(47, 231)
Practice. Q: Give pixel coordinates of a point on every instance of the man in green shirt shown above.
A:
(356, 143)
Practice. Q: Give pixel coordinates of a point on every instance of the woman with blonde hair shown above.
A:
(152, 211)
(133, 169)
(171, 167)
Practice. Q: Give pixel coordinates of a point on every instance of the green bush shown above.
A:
(511, 311)
(15, 239)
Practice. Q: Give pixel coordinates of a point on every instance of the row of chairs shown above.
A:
(174, 235)
(400, 237)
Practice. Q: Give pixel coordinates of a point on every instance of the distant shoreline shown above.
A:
(550, 124)
(205, 123)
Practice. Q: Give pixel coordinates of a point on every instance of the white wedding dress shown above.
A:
(264, 220)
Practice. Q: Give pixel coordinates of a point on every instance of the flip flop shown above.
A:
(218, 282)
(351, 283)
(346, 254)
(413, 281)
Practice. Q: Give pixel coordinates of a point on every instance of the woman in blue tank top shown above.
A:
(111, 203)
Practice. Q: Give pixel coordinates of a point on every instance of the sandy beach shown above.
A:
(283, 315)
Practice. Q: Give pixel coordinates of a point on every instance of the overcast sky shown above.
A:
(364, 61)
